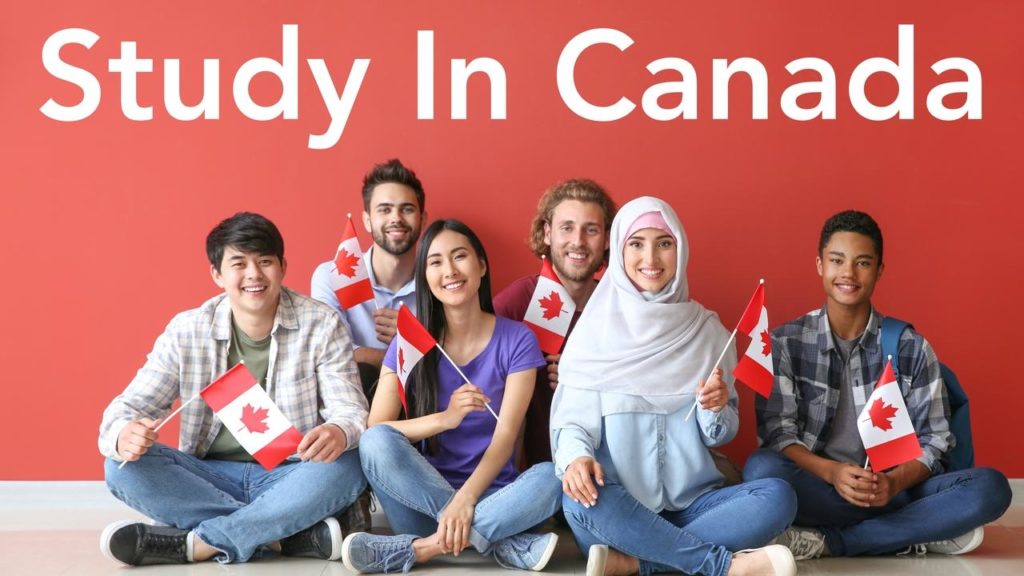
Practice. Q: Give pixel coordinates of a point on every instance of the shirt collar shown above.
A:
(407, 288)
(868, 340)
(285, 316)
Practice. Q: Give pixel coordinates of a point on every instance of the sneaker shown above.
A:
(526, 551)
(321, 540)
(357, 517)
(781, 558)
(960, 545)
(363, 553)
(139, 544)
(597, 559)
(804, 543)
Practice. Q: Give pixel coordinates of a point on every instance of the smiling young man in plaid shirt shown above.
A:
(215, 501)
(826, 366)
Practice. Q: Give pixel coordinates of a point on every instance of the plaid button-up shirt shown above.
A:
(808, 375)
(312, 376)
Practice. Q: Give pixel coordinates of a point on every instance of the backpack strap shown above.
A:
(892, 329)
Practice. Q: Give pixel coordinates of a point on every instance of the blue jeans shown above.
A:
(940, 508)
(235, 507)
(413, 493)
(697, 540)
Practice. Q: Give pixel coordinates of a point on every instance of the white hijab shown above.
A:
(639, 344)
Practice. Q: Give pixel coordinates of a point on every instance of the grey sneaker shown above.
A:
(525, 551)
(962, 544)
(139, 544)
(321, 540)
(364, 553)
(804, 543)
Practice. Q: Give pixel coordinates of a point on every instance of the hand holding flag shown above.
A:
(414, 341)
(250, 415)
(755, 368)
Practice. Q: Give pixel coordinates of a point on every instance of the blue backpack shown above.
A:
(962, 456)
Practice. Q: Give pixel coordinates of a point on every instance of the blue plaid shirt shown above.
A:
(808, 374)
(311, 377)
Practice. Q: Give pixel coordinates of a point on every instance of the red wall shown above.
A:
(103, 220)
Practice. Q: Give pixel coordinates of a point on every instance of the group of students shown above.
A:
(603, 426)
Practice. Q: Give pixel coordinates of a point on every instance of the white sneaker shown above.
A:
(962, 544)
(781, 559)
(597, 559)
(804, 543)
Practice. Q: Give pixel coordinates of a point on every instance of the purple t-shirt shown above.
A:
(513, 348)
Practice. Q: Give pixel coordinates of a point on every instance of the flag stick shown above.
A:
(717, 362)
(457, 369)
(165, 421)
(866, 460)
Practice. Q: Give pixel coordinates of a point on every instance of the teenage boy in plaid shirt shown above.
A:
(826, 366)
(213, 500)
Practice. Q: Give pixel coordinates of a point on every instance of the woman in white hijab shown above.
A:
(641, 491)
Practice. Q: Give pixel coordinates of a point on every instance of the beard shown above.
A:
(395, 248)
(573, 273)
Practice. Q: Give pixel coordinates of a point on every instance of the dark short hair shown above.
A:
(247, 232)
(579, 189)
(392, 171)
(430, 313)
(851, 221)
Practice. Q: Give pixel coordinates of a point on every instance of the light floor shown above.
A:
(52, 528)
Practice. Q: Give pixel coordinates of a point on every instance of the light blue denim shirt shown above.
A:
(661, 459)
(359, 319)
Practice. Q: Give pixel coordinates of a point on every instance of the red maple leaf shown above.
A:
(401, 360)
(255, 419)
(766, 343)
(882, 414)
(346, 263)
(552, 305)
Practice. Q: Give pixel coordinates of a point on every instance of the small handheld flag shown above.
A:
(349, 277)
(885, 427)
(247, 411)
(550, 312)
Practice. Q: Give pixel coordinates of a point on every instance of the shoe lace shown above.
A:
(390, 552)
(802, 545)
(513, 548)
(164, 545)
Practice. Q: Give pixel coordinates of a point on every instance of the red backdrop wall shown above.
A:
(103, 219)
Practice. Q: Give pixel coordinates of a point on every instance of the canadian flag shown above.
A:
(413, 343)
(755, 367)
(885, 427)
(350, 281)
(550, 312)
(247, 411)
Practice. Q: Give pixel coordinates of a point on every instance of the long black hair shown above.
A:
(430, 313)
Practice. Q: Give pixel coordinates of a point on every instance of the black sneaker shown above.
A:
(139, 544)
(321, 540)
(358, 516)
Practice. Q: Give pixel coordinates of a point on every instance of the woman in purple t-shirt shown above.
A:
(445, 474)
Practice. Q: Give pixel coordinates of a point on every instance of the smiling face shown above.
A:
(649, 257)
(251, 281)
(849, 269)
(578, 238)
(454, 270)
(394, 218)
